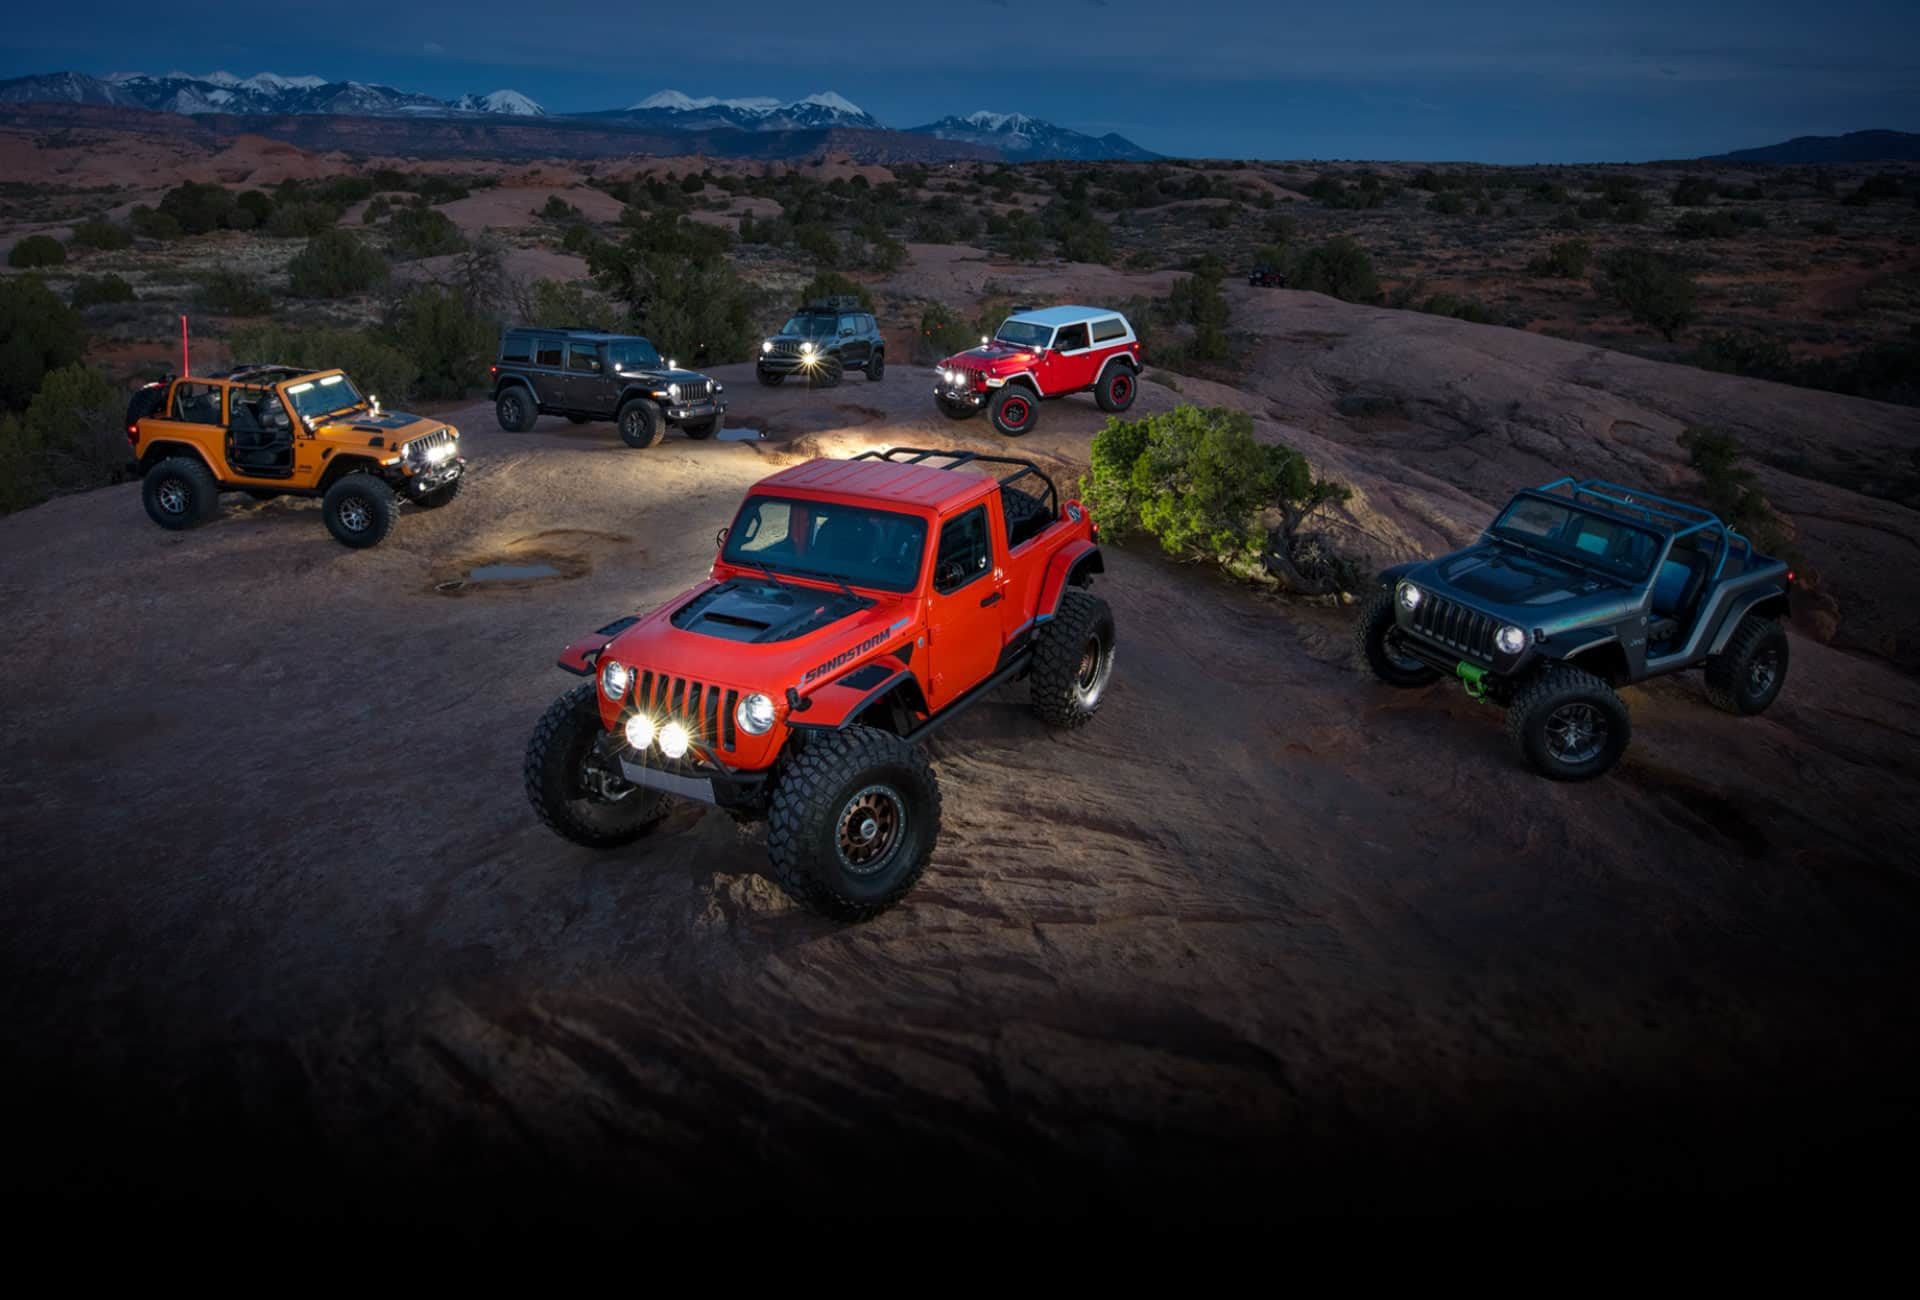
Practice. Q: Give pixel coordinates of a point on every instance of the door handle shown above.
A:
(986, 601)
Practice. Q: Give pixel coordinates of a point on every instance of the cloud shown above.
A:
(434, 47)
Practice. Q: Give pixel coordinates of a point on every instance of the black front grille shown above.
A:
(785, 348)
(418, 448)
(695, 390)
(704, 709)
(1452, 624)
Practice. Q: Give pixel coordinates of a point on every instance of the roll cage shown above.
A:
(955, 459)
(1675, 519)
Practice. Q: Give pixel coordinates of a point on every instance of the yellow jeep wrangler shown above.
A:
(280, 431)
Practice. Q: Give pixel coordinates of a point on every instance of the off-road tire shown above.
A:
(579, 419)
(828, 373)
(955, 410)
(359, 499)
(824, 784)
(179, 493)
(514, 409)
(771, 378)
(1117, 388)
(1072, 660)
(1740, 679)
(1014, 410)
(1537, 706)
(877, 367)
(640, 424)
(440, 496)
(1370, 644)
(556, 754)
(700, 430)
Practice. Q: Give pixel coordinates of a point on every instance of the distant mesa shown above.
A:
(1853, 147)
(664, 114)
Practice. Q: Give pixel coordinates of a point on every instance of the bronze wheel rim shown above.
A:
(1096, 666)
(871, 827)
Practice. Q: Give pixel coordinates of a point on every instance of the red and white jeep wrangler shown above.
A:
(1042, 354)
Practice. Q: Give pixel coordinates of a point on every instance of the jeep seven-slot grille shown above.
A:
(419, 447)
(785, 348)
(695, 390)
(702, 708)
(1453, 624)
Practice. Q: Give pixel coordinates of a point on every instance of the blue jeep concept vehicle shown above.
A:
(1576, 589)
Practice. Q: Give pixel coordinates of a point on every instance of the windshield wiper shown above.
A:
(754, 564)
(828, 577)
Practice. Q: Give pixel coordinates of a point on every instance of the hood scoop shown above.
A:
(762, 612)
(1502, 576)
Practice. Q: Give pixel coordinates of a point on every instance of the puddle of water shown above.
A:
(510, 572)
(740, 435)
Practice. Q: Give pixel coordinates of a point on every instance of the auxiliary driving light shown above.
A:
(806, 349)
(639, 731)
(1510, 639)
(674, 740)
(1410, 595)
(755, 715)
(614, 680)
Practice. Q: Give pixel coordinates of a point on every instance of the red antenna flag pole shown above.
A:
(185, 369)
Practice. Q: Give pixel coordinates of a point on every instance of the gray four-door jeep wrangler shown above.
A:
(1580, 587)
(586, 375)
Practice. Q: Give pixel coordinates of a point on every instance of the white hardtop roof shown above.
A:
(1062, 315)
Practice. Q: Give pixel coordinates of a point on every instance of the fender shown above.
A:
(579, 656)
(1026, 379)
(1118, 358)
(1769, 601)
(341, 466)
(1073, 561)
(1391, 577)
(842, 700)
(504, 382)
(159, 451)
(635, 391)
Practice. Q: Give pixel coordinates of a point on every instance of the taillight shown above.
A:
(493, 370)
(1789, 575)
(133, 433)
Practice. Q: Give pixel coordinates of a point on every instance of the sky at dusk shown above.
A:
(1486, 80)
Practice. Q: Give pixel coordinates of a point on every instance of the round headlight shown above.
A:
(1510, 639)
(673, 392)
(755, 715)
(805, 348)
(674, 740)
(615, 679)
(766, 345)
(1410, 595)
(639, 731)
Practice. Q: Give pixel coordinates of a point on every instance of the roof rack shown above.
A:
(955, 459)
(838, 302)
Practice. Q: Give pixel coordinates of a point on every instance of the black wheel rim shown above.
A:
(355, 514)
(1762, 673)
(510, 409)
(1576, 732)
(631, 425)
(1014, 413)
(1122, 386)
(173, 496)
(871, 828)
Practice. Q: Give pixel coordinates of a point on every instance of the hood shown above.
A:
(392, 427)
(993, 359)
(1525, 587)
(662, 375)
(756, 635)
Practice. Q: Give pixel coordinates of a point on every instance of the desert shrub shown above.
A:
(1753, 355)
(335, 264)
(20, 470)
(578, 238)
(257, 202)
(1886, 372)
(37, 251)
(943, 332)
(557, 209)
(1339, 267)
(817, 242)
(1881, 186)
(831, 284)
(101, 234)
(376, 366)
(568, 302)
(417, 231)
(198, 208)
(1459, 308)
(1198, 482)
(234, 293)
(1693, 192)
(301, 219)
(98, 290)
(376, 210)
(1728, 487)
(151, 223)
(1449, 203)
(1654, 290)
(38, 333)
(1567, 259)
(74, 422)
(673, 277)
(449, 338)
(1716, 224)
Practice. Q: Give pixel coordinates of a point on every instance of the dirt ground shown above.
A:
(1266, 939)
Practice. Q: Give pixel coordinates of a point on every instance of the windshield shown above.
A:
(633, 354)
(1596, 541)
(809, 327)
(313, 398)
(863, 548)
(1023, 334)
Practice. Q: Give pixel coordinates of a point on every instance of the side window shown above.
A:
(869, 323)
(257, 410)
(965, 553)
(517, 348)
(1071, 338)
(196, 403)
(547, 352)
(584, 358)
(1106, 331)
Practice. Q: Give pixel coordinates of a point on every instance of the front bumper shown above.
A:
(956, 395)
(700, 782)
(431, 479)
(693, 411)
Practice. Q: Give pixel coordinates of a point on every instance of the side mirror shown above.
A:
(720, 540)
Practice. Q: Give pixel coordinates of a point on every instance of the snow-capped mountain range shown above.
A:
(1014, 136)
